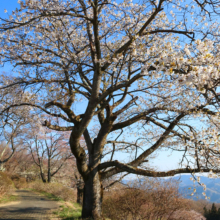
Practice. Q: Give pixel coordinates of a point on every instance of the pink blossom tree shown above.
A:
(146, 73)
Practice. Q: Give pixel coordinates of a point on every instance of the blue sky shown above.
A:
(9, 5)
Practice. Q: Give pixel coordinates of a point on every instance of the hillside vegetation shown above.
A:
(6, 184)
(145, 199)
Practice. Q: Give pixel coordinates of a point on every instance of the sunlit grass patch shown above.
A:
(67, 212)
(48, 195)
(8, 198)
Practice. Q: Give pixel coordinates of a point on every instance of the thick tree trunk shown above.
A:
(92, 198)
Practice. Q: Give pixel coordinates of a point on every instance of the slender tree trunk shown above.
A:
(2, 166)
(49, 172)
(43, 177)
(92, 197)
(80, 189)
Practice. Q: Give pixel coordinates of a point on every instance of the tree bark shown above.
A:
(43, 177)
(92, 197)
(49, 171)
(80, 189)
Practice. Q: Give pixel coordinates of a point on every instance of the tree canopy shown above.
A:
(144, 73)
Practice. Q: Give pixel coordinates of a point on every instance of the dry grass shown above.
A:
(19, 182)
(6, 184)
(57, 189)
(152, 200)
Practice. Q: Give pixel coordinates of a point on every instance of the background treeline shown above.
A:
(212, 213)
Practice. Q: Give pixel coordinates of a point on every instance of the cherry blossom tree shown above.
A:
(145, 73)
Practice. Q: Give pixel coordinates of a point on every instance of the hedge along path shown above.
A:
(30, 206)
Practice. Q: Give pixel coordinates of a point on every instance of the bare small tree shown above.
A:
(49, 151)
(12, 131)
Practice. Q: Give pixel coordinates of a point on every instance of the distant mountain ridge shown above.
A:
(186, 187)
(212, 188)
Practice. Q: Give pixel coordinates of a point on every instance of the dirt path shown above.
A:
(30, 206)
